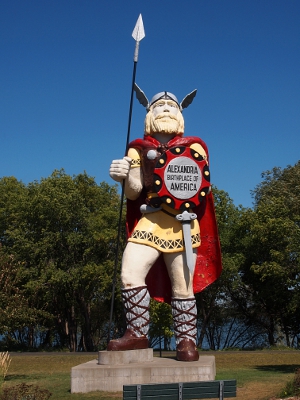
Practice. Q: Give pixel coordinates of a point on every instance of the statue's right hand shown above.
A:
(119, 169)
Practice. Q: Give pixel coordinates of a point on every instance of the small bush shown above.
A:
(25, 392)
(292, 388)
(297, 382)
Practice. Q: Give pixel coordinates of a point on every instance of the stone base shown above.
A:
(125, 357)
(91, 376)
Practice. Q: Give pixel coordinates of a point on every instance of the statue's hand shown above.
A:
(119, 169)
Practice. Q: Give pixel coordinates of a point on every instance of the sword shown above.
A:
(186, 218)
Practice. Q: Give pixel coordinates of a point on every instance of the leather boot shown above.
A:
(184, 313)
(136, 303)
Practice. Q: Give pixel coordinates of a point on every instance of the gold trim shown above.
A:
(162, 244)
(135, 163)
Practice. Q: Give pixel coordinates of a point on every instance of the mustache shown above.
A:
(166, 115)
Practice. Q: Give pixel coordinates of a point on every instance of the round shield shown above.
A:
(181, 178)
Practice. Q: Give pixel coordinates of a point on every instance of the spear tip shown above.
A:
(138, 32)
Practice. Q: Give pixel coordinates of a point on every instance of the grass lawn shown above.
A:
(259, 374)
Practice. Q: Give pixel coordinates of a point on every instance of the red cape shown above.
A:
(209, 264)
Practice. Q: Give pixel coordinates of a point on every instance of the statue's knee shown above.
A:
(182, 292)
(126, 280)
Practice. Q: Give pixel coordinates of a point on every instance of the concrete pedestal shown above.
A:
(120, 368)
(125, 357)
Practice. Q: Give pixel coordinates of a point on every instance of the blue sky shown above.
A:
(66, 70)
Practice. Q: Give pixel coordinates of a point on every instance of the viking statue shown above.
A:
(173, 248)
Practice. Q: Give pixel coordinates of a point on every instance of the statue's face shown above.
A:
(164, 116)
(165, 107)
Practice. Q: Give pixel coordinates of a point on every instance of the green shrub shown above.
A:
(292, 388)
(25, 392)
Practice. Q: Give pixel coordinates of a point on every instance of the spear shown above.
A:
(138, 34)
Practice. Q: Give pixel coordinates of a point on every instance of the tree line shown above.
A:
(57, 250)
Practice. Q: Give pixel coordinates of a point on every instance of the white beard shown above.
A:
(165, 125)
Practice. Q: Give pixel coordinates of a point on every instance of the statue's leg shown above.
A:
(136, 263)
(184, 308)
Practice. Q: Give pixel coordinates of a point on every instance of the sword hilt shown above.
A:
(186, 217)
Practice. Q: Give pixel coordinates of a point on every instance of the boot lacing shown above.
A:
(184, 312)
(136, 302)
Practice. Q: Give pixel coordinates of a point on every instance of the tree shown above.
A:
(219, 319)
(16, 312)
(62, 231)
(161, 324)
(270, 243)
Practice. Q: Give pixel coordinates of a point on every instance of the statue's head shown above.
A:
(164, 112)
(164, 115)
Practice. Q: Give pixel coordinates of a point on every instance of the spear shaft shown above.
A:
(138, 34)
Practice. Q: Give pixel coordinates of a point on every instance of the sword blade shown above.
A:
(186, 218)
(190, 260)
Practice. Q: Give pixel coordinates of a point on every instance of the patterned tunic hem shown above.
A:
(166, 246)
